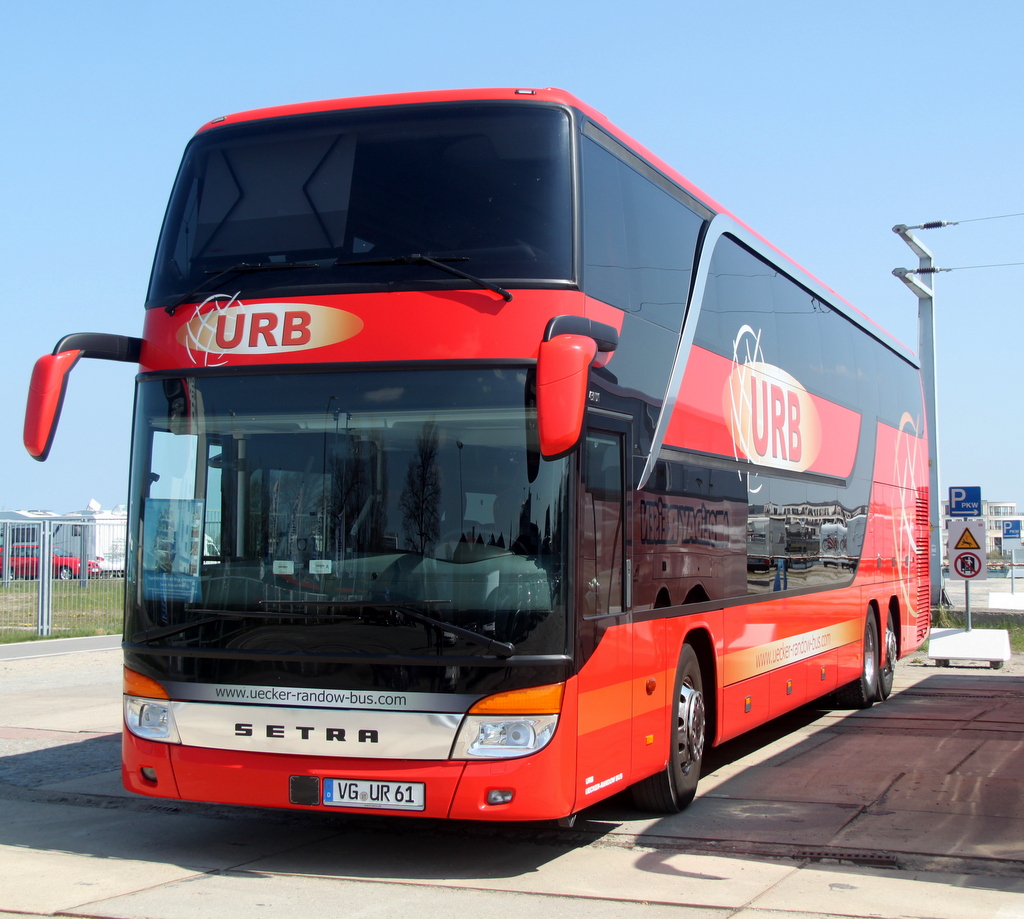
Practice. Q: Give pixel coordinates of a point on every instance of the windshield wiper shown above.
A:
(240, 268)
(439, 263)
(211, 615)
(165, 631)
(502, 649)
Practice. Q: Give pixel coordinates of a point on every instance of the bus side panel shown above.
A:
(604, 716)
(823, 673)
(544, 784)
(778, 650)
(746, 705)
(653, 679)
(877, 560)
(901, 485)
(657, 644)
(787, 689)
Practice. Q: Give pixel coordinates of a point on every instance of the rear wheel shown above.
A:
(892, 652)
(65, 573)
(673, 788)
(864, 690)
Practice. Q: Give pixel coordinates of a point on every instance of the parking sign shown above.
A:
(965, 501)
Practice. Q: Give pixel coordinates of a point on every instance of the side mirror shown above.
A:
(45, 400)
(563, 364)
(50, 382)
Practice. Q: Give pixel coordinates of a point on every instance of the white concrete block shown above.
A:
(975, 645)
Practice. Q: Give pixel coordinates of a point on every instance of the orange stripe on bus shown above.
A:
(600, 708)
(748, 662)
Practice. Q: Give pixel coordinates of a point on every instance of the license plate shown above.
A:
(403, 796)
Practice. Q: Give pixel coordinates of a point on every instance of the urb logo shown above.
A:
(772, 418)
(222, 325)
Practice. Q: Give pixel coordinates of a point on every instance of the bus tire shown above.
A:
(670, 790)
(863, 691)
(887, 670)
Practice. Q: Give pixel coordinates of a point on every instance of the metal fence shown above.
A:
(61, 578)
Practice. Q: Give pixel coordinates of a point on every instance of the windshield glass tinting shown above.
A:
(485, 187)
(324, 503)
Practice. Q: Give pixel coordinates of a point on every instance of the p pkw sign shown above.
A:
(965, 501)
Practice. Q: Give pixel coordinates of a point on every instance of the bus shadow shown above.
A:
(620, 807)
(52, 804)
(61, 763)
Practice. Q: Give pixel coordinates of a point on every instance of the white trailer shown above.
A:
(96, 534)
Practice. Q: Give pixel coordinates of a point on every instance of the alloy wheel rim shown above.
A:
(891, 651)
(690, 726)
(869, 655)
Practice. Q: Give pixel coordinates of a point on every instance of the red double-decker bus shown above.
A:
(483, 467)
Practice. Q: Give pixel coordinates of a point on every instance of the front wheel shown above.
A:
(863, 691)
(670, 790)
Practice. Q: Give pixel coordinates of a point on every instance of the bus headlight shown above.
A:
(487, 737)
(150, 719)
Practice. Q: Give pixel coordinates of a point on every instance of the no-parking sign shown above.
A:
(966, 550)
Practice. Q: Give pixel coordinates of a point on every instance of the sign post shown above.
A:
(966, 551)
(967, 562)
(1011, 542)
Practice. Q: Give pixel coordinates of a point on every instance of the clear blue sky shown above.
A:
(820, 124)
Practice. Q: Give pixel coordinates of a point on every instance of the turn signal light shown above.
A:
(135, 684)
(536, 700)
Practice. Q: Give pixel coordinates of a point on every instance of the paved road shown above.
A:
(52, 647)
(910, 809)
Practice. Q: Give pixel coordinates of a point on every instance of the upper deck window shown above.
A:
(487, 186)
(638, 239)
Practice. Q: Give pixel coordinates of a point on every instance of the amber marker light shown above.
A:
(135, 684)
(536, 700)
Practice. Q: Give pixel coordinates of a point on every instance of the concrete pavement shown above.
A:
(912, 808)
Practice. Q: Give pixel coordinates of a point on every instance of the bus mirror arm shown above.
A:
(50, 381)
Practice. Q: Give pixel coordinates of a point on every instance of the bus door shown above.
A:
(603, 600)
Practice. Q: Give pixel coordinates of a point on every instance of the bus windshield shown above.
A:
(324, 504)
(339, 201)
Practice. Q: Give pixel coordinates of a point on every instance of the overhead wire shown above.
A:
(937, 224)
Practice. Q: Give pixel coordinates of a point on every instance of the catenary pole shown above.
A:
(926, 353)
